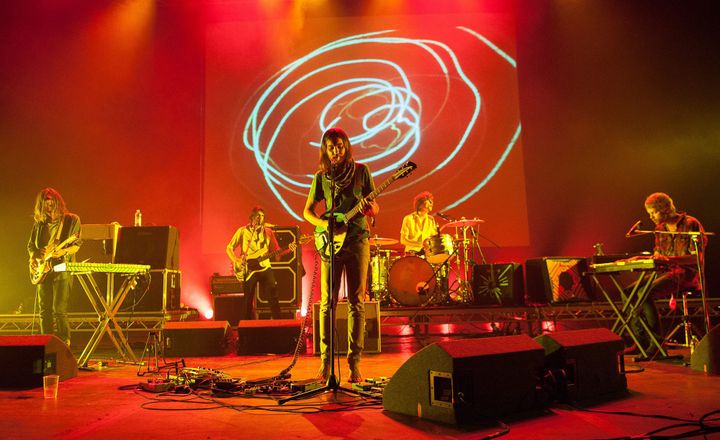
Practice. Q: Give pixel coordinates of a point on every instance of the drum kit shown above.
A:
(440, 274)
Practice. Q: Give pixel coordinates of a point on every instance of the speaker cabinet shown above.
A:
(157, 246)
(586, 363)
(288, 275)
(467, 381)
(229, 307)
(557, 280)
(159, 292)
(706, 356)
(197, 338)
(498, 285)
(372, 327)
(26, 359)
(278, 336)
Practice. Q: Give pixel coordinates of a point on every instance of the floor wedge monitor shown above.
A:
(467, 381)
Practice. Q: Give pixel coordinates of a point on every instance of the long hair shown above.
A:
(48, 193)
(333, 134)
(661, 202)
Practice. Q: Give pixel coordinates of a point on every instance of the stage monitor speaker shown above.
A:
(498, 284)
(372, 327)
(24, 360)
(197, 338)
(157, 246)
(557, 280)
(277, 336)
(586, 364)
(467, 381)
(706, 356)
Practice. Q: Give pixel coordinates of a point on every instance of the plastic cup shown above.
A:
(50, 386)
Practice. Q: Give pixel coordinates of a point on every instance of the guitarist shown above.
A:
(353, 182)
(255, 240)
(53, 225)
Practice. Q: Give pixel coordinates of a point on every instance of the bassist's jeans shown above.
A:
(53, 296)
(268, 291)
(354, 259)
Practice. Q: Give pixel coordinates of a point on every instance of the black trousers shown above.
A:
(53, 295)
(268, 289)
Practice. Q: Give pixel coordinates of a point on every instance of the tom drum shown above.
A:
(438, 248)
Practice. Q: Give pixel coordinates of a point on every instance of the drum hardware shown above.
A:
(378, 241)
(462, 223)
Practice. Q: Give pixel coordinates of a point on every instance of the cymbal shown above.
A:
(377, 241)
(462, 223)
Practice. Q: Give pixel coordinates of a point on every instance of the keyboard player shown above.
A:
(677, 252)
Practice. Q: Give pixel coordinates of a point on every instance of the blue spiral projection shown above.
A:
(377, 86)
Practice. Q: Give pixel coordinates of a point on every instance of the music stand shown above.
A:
(332, 384)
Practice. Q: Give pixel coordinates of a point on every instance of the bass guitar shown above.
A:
(322, 235)
(39, 267)
(245, 268)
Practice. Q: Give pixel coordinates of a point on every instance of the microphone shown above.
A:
(634, 227)
(442, 216)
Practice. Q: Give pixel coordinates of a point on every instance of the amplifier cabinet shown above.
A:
(220, 284)
(162, 294)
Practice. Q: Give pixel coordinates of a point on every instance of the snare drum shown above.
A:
(407, 279)
(438, 248)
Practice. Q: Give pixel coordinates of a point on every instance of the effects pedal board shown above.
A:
(371, 387)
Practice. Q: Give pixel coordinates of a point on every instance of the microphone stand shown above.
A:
(332, 384)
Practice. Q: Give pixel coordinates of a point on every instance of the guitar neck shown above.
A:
(353, 212)
(272, 254)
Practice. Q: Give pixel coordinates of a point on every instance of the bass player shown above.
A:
(255, 241)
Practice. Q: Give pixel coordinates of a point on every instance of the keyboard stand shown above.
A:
(631, 303)
(107, 310)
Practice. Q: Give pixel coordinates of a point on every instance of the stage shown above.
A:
(107, 402)
(111, 398)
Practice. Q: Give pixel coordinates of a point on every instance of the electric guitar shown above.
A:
(39, 267)
(246, 267)
(322, 235)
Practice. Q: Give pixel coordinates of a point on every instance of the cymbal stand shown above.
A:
(476, 245)
(464, 267)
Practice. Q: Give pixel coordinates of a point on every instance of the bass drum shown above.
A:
(407, 278)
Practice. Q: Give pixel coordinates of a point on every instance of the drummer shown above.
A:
(419, 225)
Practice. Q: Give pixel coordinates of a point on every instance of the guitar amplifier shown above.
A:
(225, 284)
